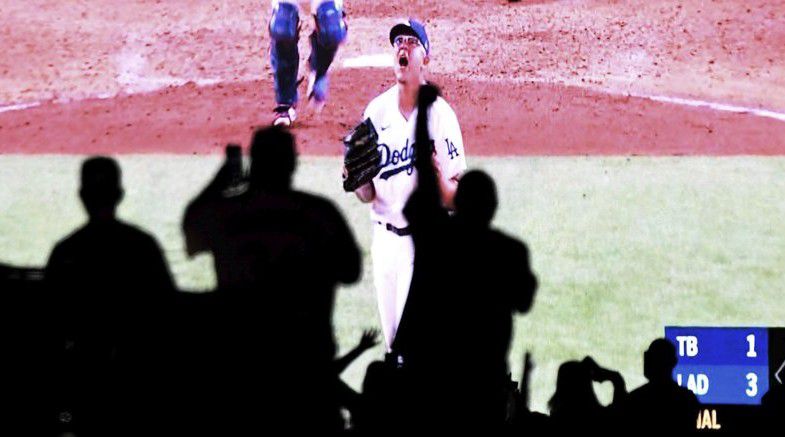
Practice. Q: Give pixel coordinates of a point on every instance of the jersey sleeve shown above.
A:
(450, 157)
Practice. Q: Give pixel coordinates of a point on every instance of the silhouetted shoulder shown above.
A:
(513, 250)
(137, 236)
(321, 211)
(512, 256)
(663, 394)
(687, 395)
(316, 202)
(107, 248)
(509, 243)
(119, 232)
(665, 407)
(344, 254)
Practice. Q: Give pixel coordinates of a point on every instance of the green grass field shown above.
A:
(622, 246)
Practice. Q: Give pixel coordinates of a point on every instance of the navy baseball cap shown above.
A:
(414, 28)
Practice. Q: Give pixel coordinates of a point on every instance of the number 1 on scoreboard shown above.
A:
(751, 340)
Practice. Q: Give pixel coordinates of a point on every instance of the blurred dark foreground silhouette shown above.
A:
(100, 342)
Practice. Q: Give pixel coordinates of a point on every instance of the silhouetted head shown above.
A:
(475, 198)
(659, 360)
(101, 190)
(574, 390)
(376, 378)
(273, 158)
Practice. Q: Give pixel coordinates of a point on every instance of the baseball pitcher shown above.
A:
(379, 167)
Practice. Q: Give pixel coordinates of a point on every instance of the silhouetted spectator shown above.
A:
(661, 403)
(467, 282)
(420, 354)
(520, 419)
(772, 408)
(110, 282)
(574, 406)
(279, 254)
(499, 266)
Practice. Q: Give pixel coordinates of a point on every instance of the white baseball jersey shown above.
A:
(397, 179)
(393, 254)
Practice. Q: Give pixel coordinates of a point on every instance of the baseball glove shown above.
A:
(362, 158)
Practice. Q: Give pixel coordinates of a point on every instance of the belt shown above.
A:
(397, 231)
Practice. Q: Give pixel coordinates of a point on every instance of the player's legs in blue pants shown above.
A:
(330, 32)
(285, 59)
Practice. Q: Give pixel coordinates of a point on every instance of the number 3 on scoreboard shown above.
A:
(752, 378)
(752, 385)
(751, 340)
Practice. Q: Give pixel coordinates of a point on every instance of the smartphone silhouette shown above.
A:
(234, 164)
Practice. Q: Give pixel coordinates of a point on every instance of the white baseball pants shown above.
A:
(393, 262)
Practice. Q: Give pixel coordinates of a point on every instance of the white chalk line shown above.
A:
(717, 106)
(695, 103)
(131, 78)
(19, 106)
(141, 86)
(383, 60)
(133, 82)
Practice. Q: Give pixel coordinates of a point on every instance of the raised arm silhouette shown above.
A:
(279, 254)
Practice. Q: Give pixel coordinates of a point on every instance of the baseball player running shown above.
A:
(330, 31)
(393, 115)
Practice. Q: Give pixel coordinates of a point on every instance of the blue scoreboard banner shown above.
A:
(728, 366)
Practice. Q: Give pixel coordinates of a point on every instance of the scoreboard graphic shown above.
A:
(728, 366)
(728, 369)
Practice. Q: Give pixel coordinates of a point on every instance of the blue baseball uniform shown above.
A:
(330, 31)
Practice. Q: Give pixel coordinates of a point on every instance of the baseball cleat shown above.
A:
(284, 116)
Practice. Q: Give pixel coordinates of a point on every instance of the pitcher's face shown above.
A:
(410, 59)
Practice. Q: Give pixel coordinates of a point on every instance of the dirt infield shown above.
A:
(532, 77)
